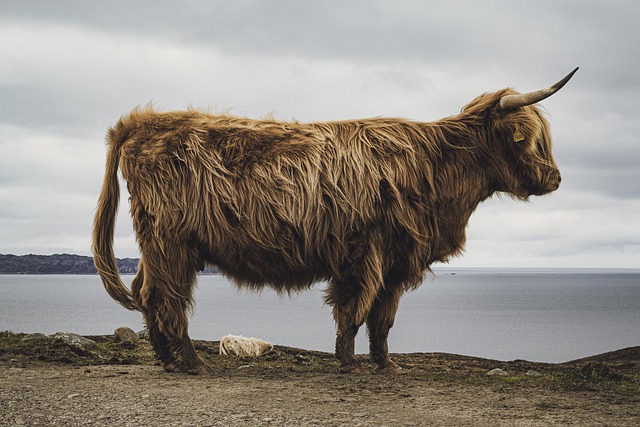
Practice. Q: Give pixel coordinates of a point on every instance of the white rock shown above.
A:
(497, 371)
(74, 340)
(232, 345)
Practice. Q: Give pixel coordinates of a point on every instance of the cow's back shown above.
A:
(272, 202)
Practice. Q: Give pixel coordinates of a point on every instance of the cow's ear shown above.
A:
(522, 135)
(518, 136)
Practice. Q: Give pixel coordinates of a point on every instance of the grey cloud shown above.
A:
(374, 30)
(74, 67)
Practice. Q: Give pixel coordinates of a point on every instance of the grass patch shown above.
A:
(596, 376)
(23, 349)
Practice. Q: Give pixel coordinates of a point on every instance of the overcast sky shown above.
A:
(69, 70)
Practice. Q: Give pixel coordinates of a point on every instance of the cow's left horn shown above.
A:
(511, 102)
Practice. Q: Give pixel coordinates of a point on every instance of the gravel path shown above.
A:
(146, 396)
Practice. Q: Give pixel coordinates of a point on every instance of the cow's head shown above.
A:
(519, 138)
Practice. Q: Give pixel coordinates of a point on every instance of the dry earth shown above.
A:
(46, 381)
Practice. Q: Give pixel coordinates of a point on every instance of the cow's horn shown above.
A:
(511, 102)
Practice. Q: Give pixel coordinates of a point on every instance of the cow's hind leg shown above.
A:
(379, 321)
(168, 294)
(158, 340)
(172, 319)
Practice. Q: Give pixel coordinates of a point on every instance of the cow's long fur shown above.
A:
(367, 205)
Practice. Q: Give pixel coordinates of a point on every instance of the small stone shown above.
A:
(36, 336)
(71, 396)
(74, 340)
(497, 371)
(533, 373)
(124, 334)
(143, 334)
(301, 359)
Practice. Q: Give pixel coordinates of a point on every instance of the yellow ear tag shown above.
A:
(518, 136)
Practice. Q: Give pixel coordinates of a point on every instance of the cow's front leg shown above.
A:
(379, 321)
(351, 300)
(347, 329)
(352, 295)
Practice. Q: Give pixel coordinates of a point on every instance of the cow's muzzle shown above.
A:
(554, 180)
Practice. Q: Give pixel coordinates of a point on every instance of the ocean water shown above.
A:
(544, 315)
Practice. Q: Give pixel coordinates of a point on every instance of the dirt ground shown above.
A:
(44, 381)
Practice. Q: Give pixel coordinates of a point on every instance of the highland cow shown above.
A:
(366, 205)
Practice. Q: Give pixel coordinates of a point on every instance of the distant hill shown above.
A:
(58, 264)
(63, 264)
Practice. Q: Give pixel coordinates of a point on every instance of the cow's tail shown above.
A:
(104, 224)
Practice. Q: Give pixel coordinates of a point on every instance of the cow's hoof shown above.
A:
(175, 367)
(200, 370)
(179, 368)
(392, 369)
(352, 368)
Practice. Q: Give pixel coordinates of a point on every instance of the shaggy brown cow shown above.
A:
(367, 205)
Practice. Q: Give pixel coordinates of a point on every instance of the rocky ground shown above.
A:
(66, 380)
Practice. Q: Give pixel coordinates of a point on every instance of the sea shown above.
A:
(542, 315)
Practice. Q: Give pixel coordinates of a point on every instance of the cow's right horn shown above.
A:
(511, 102)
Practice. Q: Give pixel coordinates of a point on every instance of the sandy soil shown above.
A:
(46, 382)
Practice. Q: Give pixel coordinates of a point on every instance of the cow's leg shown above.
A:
(347, 324)
(352, 298)
(159, 341)
(379, 322)
(172, 318)
(167, 296)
